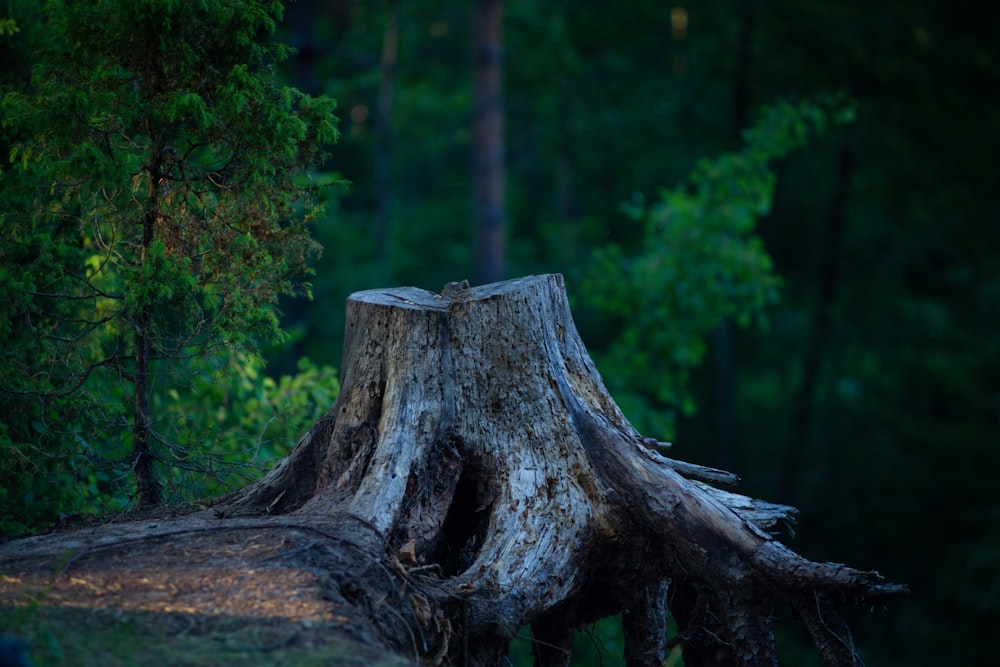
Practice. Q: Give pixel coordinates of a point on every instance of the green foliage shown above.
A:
(701, 263)
(606, 99)
(601, 643)
(224, 426)
(159, 207)
(61, 636)
(228, 425)
(603, 100)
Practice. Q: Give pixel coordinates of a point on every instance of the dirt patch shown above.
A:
(215, 587)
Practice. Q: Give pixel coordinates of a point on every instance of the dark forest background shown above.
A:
(864, 387)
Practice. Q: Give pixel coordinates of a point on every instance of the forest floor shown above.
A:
(198, 594)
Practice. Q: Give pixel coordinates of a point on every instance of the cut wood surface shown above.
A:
(475, 459)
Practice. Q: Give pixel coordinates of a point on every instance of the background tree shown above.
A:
(175, 168)
(32, 493)
(489, 179)
(701, 263)
(607, 101)
(872, 384)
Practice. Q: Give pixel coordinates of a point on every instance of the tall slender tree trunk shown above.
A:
(829, 279)
(383, 127)
(565, 198)
(724, 396)
(744, 63)
(724, 356)
(488, 146)
(300, 19)
(149, 489)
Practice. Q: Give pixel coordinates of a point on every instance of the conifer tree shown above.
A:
(173, 203)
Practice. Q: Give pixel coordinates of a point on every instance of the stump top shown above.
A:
(421, 299)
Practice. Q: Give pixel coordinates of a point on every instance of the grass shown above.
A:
(107, 638)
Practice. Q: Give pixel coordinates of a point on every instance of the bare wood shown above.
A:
(473, 426)
(475, 441)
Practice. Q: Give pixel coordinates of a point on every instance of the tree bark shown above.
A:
(488, 143)
(148, 487)
(474, 437)
(474, 476)
(149, 491)
(822, 330)
(723, 352)
(724, 396)
(383, 128)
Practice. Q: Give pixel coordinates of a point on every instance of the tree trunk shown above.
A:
(488, 142)
(724, 396)
(822, 330)
(383, 129)
(475, 439)
(723, 352)
(148, 488)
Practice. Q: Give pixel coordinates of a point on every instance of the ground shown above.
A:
(202, 592)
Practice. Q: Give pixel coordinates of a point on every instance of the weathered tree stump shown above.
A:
(474, 438)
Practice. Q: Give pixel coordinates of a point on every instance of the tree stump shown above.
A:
(475, 439)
